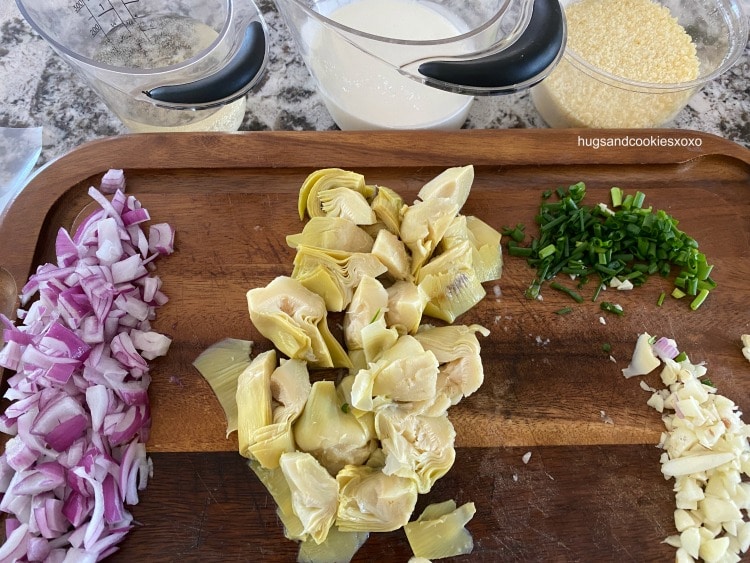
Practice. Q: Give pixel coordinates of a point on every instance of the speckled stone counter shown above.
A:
(37, 88)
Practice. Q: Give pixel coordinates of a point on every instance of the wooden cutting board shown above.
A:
(592, 489)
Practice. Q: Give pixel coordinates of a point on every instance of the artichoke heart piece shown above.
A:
(254, 400)
(295, 320)
(350, 204)
(370, 500)
(376, 337)
(460, 378)
(440, 531)
(332, 233)
(487, 253)
(334, 437)
(406, 304)
(364, 323)
(408, 372)
(314, 493)
(416, 447)
(338, 547)
(221, 365)
(368, 305)
(270, 442)
(275, 482)
(358, 360)
(405, 372)
(334, 274)
(325, 179)
(388, 207)
(451, 342)
(423, 225)
(290, 387)
(451, 283)
(391, 252)
(452, 183)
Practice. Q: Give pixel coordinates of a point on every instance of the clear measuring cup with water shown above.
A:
(417, 64)
(160, 64)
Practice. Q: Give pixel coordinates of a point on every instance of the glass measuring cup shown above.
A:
(408, 64)
(160, 64)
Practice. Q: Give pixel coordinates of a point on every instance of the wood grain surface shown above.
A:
(592, 489)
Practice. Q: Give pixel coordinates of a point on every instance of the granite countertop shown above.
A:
(37, 88)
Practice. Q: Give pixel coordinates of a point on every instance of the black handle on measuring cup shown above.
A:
(528, 57)
(235, 77)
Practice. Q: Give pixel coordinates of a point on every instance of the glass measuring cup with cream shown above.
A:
(417, 64)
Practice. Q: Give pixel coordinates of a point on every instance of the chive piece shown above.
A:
(573, 294)
(612, 308)
(532, 292)
(677, 293)
(707, 381)
(607, 347)
(681, 357)
(515, 250)
(616, 194)
(516, 233)
(548, 250)
(564, 311)
(597, 292)
(345, 407)
(699, 299)
(660, 301)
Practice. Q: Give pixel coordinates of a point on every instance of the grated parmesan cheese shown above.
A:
(637, 40)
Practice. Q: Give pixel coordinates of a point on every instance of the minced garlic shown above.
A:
(637, 40)
(706, 452)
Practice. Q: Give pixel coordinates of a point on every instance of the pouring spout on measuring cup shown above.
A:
(227, 84)
(509, 68)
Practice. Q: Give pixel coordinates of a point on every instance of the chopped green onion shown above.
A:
(677, 293)
(631, 243)
(564, 311)
(660, 301)
(345, 408)
(515, 250)
(616, 194)
(516, 233)
(548, 250)
(573, 294)
(612, 308)
(607, 347)
(700, 298)
(681, 357)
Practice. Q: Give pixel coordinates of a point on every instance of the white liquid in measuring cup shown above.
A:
(362, 92)
(156, 43)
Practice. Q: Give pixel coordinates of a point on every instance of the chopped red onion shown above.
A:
(665, 348)
(112, 181)
(79, 416)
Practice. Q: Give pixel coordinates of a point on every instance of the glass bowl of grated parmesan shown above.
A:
(637, 63)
